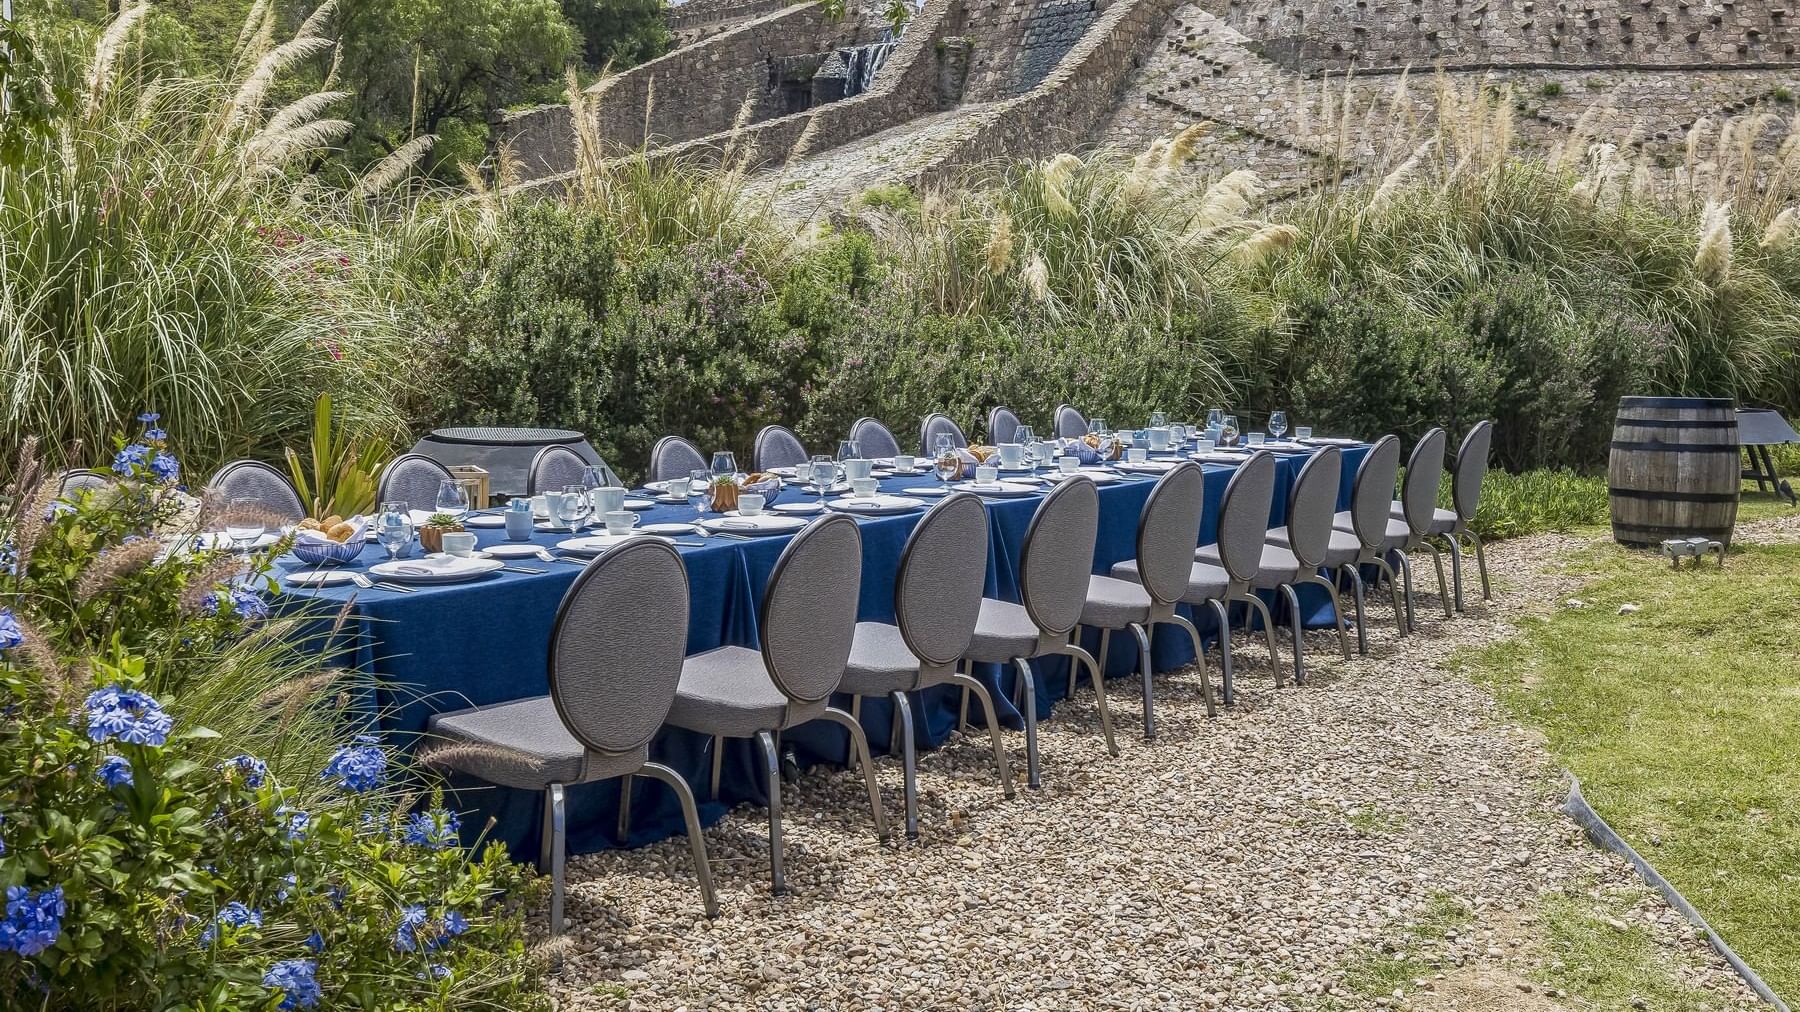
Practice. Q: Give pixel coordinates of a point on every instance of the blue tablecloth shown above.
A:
(447, 647)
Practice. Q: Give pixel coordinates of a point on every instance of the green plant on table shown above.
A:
(339, 478)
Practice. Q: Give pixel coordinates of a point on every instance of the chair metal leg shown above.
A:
(1028, 690)
(1437, 560)
(1105, 646)
(1487, 593)
(859, 747)
(1076, 656)
(962, 713)
(718, 747)
(993, 723)
(690, 815)
(1337, 610)
(1222, 611)
(1074, 675)
(909, 784)
(772, 760)
(1293, 600)
(1393, 578)
(1256, 603)
(1356, 590)
(552, 854)
(1200, 655)
(1143, 638)
(1455, 568)
(624, 808)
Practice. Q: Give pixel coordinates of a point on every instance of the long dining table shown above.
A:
(447, 647)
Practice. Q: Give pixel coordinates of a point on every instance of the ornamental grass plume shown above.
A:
(388, 172)
(1391, 183)
(1228, 199)
(1780, 233)
(1000, 245)
(1057, 173)
(115, 564)
(1037, 278)
(1712, 254)
(1259, 245)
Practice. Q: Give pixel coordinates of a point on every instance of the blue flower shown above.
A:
(128, 715)
(10, 633)
(315, 941)
(234, 915)
(244, 603)
(287, 885)
(358, 768)
(9, 558)
(155, 435)
(150, 416)
(435, 829)
(129, 459)
(254, 771)
(436, 971)
(115, 771)
(165, 467)
(297, 821)
(406, 933)
(33, 920)
(297, 981)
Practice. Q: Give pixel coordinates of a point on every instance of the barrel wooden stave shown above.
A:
(1674, 469)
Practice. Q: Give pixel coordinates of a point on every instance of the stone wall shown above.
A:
(1015, 43)
(700, 19)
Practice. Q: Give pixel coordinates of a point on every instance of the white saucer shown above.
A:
(513, 550)
(667, 528)
(797, 507)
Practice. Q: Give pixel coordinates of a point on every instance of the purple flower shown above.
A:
(115, 771)
(254, 771)
(10, 633)
(435, 829)
(33, 920)
(297, 980)
(358, 768)
(128, 715)
(234, 915)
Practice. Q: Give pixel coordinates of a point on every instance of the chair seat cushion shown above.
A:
(1278, 565)
(1205, 580)
(1343, 549)
(728, 692)
(529, 746)
(1004, 631)
(1442, 521)
(1397, 531)
(1114, 602)
(880, 663)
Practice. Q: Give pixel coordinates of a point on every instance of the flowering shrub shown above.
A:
(151, 861)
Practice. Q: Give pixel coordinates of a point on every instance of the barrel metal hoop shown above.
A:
(1654, 495)
(1689, 403)
(1672, 423)
(1661, 447)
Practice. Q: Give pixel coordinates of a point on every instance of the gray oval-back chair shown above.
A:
(1371, 496)
(1142, 593)
(934, 424)
(777, 446)
(1408, 522)
(411, 478)
(1053, 570)
(674, 457)
(807, 621)
(269, 488)
(614, 660)
(874, 439)
(1069, 423)
(1339, 551)
(1466, 475)
(1002, 425)
(77, 480)
(557, 467)
(937, 602)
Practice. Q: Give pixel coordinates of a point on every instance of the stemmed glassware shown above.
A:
(1277, 423)
(941, 443)
(699, 490)
(1028, 439)
(848, 450)
(1158, 420)
(453, 497)
(824, 474)
(576, 506)
(724, 464)
(1215, 418)
(947, 464)
(393, 528)
(244, 523)
(1228, 431)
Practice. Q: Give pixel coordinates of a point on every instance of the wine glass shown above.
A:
(848, 450)
(824, 474)
(1277, 423)
(1158, 420)
(576, 506)
(724, 464)
(453, 497)
(948, 464)
(1228, 430)
(244, 523)
(393, 528)
(699, 490)
(941, 443)
(1215, 418)
(1026, 438)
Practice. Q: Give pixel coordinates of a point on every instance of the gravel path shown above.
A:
(1236, 863)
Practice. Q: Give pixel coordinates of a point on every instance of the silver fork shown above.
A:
(703, 532)
(365, 583)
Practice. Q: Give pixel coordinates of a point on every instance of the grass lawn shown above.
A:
(1682, 720)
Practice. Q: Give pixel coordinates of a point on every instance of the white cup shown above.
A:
(860, 488)
(459, 543)
(1068, 465)
(620, 522)
(607, 499)
(858, 468)
(1303, 432)
(803, 472)
(986, 474)
(1136, 454)
(1204, 445)
(1256, 438)
(903, 462)
(1159, 438)
(1012, 455)
(750, 504)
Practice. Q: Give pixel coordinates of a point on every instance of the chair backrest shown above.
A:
(1471, 468)
(1059, 555)
(253, 479)
(777, 446)
(411, 478)
(617, 645)
(557, 467)
(70, 482)
(674, 457)
(1002, 425)
(809, 609)
(935, 423)
(1424, 472)
(1372, 496)
(1312, 503)
(1244, 515)
(1169, 531)
(874, 438)
(1069, 422)
(937, 592)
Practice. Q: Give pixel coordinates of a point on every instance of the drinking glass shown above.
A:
(948, 464)
(699, 489)
(244, 523)
(1228, 431)
(824, 474)
(848, 450)
(1277, 423)
(724, 464)
(393, 528)
(1178, 435)
(941, 443)
(1215, 418)
(453, 497)
(1303, 432)
(1029, 439)
(1158, 420)
(576, 507)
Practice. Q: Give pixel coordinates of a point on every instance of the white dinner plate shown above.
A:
(219, 539)
(667, 528)
(638, 504)
(1097, 477)
(797, 507)
(435, 569)
(927, 490)
(1220, 458)
(594, 544)
(513, 550)
(317, 577)
(998, 490)
(810, 489)
(913, 473)
(762, 524)
(878, 505)
(492, 520)
(1148, 466)
(1329, 441)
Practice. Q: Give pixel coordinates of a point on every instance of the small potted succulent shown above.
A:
(432, 531)
(725, 491)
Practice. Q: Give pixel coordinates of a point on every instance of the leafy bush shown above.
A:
(185, 818)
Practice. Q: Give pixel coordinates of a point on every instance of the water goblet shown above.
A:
(1228, 431)
(948, 464)
(1158, 420)
(393, 528)
(576, 506)
(1277, 423)
(848, 450)
(244, 523)
(942, 442)
(453, 497)
(824, 475)
(724, 464)
(699, 490)
(1215, 418)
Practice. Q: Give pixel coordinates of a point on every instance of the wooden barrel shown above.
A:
(1673, 472)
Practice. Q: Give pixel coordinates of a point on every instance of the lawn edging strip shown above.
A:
(1577, 808)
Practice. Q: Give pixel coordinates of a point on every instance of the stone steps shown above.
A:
(822, 184)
